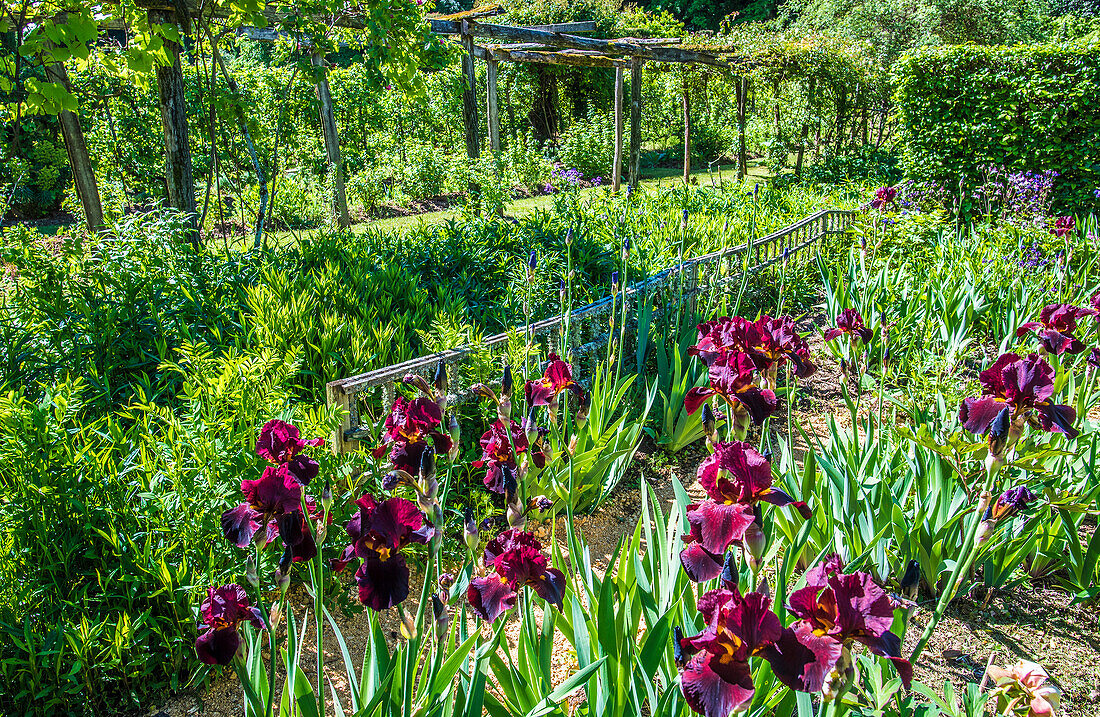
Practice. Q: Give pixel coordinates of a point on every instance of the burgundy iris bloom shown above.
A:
(1094, 358)
(1012, 501)
(833, 611)
(1095, 304)
(1055, 328)
(514, 560)
(496, 453)
(716, 679)
(850, 322)
(281, 444)
(411, 429)
(781, 343)
(1064, 226)
(222, 611)
(884, 197)
(731, 377)
(1019, 389)
(718, 338)
(557, 377)
(736, 478)
(379, 532)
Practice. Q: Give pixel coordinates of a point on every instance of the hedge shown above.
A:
(1030, 107)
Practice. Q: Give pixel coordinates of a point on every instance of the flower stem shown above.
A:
(962, 566)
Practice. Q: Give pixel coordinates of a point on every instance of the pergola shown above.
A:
(544, 44)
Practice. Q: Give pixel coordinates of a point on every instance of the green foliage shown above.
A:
(1024, 108)
(588, 144)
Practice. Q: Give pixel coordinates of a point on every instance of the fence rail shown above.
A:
(692, 276)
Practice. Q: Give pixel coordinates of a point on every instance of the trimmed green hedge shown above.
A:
(1028, 107)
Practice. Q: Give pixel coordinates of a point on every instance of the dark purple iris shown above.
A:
(514, 560)
(1094, 358)
(736, 478)
(1095, 304)
(412, 428)
(884, 197)
(497, 455)
(850, 322)
(720, 337)
(557, 377)
(1009, 503)
(1055, 327)
(781, 343)
(716, 678)
(1064, 226)
(834, 611)
(274, 500)
(222, 611)
(379, 531)
(731, 377)
(1016, 391)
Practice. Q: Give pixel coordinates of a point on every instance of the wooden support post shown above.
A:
(178, 171)
(685, 98)
(492, 106)
(332, 141)
(805, 125)
(635, 118)
(469, 103)
(617, 162)
(77, 149)
(469, 94)
(742, 90)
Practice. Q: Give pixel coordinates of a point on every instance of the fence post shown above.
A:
(492, 105)
(617, 164)
(635, 118)
(332, 140)
(178, 171)
(336, 398)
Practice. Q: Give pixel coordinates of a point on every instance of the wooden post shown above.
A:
(635, 118)
(805, 125)
(841, 107)
(617, 163)
(685, 99)
(75, 147)
(742, 91)
(332, 141)
(178, 171)
(492, 106)
(469, 94)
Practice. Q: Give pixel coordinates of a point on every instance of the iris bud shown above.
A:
(543, 503)
(427, 465)
(250, 573)
(419, 382)
(326, 497)
(569, 236)
(911, 579)
(455, 433)
(470, 532)
(728, 578)
(446, 580)
(677, 647)
(442, 617)
(755, 543)
(282, 577)
(529, 426)
(439, 380)
(532, 262)
(614, 282)
(517, 516)
(583, 409)
(506, 383)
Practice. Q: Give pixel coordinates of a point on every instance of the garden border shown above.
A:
(715, 268)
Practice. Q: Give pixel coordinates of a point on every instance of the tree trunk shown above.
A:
(469, 103)
(841, 108)
(492, 105)
(75, 147)
(332, 143)
(178, 171)
(742, 91)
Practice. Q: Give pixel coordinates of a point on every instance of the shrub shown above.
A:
(588, 145)
(1021, 107)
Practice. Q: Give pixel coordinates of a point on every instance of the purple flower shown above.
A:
(516, 561)
(222, 611)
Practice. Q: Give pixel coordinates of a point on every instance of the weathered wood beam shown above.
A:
(635, 119)
(686, 101)
(578, 59)
(607, 47)
(453, 27)
(83, 173)
(617, 162)
(492, 105)
(332, 142)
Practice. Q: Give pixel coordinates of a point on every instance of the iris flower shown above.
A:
(834, 610)
(496, 453)
(222, 611)
(722, 336)
(736, 479)
(515, 561)
(884, 197)
(379, 532)
(780, 343)
(1015, 391)
(716, 678)
(411, 428)
(557, 377)
(850, 322)
(731, 377)
(1063, 226)
(280, 444)
(1055, 328)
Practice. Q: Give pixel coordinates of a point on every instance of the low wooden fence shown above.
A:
(697, 275)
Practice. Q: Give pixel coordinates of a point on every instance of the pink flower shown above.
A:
(1022, 687)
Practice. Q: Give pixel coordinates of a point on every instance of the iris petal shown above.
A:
(383, 583)
(710, 695)
(490, 597)
(802, 660)
(700, 565)
(217, 647)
